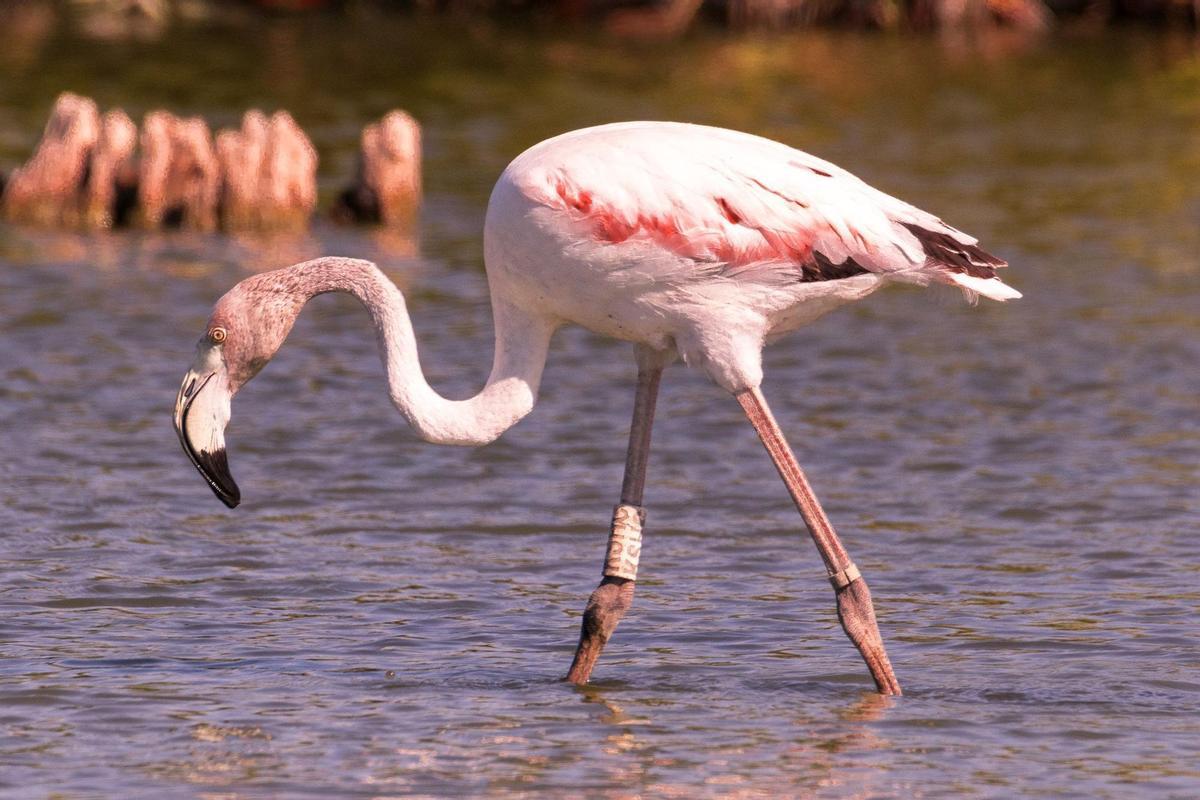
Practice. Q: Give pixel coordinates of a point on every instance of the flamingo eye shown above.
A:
(218, 335)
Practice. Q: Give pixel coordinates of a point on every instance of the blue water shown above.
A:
(386, 618)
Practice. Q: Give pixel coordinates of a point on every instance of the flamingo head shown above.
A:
(246, 328)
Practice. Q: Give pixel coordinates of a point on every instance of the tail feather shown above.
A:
(957, 257)
(991, 288)
(963, 264)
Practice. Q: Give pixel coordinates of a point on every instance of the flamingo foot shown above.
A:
(857, 615)
(605, 608)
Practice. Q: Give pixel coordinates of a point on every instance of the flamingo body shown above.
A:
(686, 240)
(706, 241)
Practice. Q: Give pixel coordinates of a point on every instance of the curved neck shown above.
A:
(522, 341)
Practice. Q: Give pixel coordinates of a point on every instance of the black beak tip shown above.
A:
(214, 466)
(231, 497)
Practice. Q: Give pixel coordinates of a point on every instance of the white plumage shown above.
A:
(707, 241)
(685, 240)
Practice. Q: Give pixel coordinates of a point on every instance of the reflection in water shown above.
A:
(840, 759)
(191, 255)
(261, 252)
(831, 749)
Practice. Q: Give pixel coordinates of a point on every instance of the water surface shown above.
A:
(386, 618)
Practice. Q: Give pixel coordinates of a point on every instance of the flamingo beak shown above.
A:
(202, 411)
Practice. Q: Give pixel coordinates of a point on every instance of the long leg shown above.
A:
(855, 610)
(614, 595)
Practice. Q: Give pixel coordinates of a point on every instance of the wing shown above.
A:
(746, 207)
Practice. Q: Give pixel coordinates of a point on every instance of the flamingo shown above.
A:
(688, 241)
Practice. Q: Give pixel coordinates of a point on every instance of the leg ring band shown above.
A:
(625, 542)
(844, 577)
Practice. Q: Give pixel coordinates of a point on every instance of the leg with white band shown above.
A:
(613, 597)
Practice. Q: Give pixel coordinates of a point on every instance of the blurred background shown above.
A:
(385, 618)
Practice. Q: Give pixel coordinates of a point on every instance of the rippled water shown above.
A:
(382, 617)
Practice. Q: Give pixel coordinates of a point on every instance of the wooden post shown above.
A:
(268, 174)
(111, 167)
(289, 175)
(387, 188)
(240, 155)
(87, 171)
(179, 178)
(48, 188)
